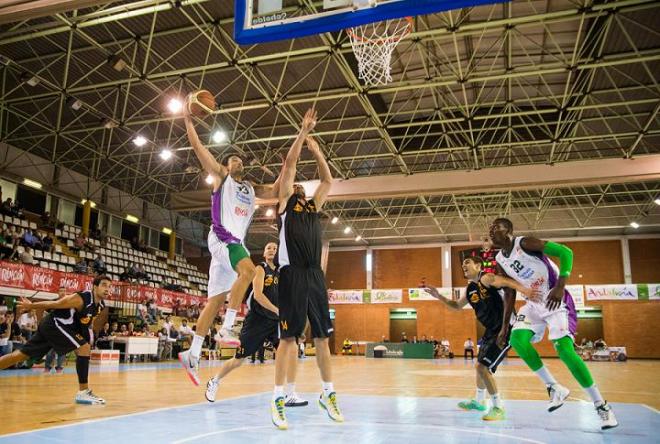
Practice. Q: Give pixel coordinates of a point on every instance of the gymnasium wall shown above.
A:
(405, 267)
(644, 260)
(346, 270)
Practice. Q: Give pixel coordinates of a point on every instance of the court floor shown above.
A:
(383, 401)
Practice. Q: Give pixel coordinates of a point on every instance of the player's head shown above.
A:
(299, 190)
(270, 250)
(471, 267)
(234, 165)
(500, 230)
(101, 286)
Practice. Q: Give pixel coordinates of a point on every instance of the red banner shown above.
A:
(43, 279)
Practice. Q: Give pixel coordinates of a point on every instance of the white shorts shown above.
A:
(221, 273)
(535, 316)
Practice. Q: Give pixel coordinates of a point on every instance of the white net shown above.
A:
(373, 45)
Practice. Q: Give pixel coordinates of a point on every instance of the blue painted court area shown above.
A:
(370, 419)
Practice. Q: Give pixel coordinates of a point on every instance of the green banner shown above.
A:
(642, 292)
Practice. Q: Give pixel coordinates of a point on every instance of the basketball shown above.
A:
(201, 103)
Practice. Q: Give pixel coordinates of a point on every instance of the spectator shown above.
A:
(6, 245)
(96, 233)
(468, 347)
(424, 340)
(7, 207)
(445, 347)
(81, 243)
(404, 338)
(90, 268)
(141, 274)
(135, 243)
(123, 331)
(152, 311)
(105, 338)
(114, 329)
(415, 341)
(167, 325)
(185, 332)
(146, 332)
(28, 324)
(28, 239)
(5, 333)
(17, 338)
(99, 265)
(347, 347)
(80, 267)
(3, 306)
(130, 331)
(142, 314)
(165, 342)
(26, 256)
(47, 243)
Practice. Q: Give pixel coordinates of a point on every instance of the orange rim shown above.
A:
(408, 30)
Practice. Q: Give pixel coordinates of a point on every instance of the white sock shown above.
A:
(328, 388)
(230, 317)
(291, 388)
(481, 395)
(545, 376)
(196, 346)
(497, 402)
(278, 392)
(595, 395)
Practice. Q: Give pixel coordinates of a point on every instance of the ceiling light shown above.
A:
(91, 203)
(139, 141)
(219, 136)
(74, 104)
(117, 63)
(334, 220)
(167, 230)
(32, 183)
(358, 238)
(256, 207)
(634, 225)
(347, 230)
(657, 201)
(29, 79)
(175, 105)
(110, 123)
(165, 154)
(131, 218)
(209, 179)
(269, 212)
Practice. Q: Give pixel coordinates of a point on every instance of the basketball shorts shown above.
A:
(490, 354)
(256, 330)
(224, 258)
(302, 296)
(53, 334)
(536, 317)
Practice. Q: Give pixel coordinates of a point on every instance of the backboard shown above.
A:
(258, 21)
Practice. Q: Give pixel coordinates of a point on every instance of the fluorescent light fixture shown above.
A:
(32, 183)
(110, 123)
(334, 220)
(91, 203)
(634, 225)
(358, 238)
(657, 201)
(269, 212)
(167, 230)
(347, 230)
(74, 103)
(219, 136)
(140, 141)
(174, 105)
(117, 63)
(446, 260)
(165, 154)
(131, 218)
(369, 261)
(209, 179)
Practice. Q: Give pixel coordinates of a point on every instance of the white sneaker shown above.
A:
(607, 418)
(558, 394)
(277, 413)
(212, 388)
(292, 400)
(87, 397)
(229, 338)
(190, 365)
(329, 404)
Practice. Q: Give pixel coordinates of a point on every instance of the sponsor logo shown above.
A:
(243, 212)
(285, 326)
(42, 280)
(9, 275)
(269, 18)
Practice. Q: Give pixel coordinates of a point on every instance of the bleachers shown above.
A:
(194, 275)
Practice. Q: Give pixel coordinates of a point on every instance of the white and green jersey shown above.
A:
(232, 208)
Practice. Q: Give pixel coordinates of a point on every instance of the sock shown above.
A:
(573, 361)
(196, 346)
(278, 392)
(481, 395)
(595, 395)
(290, 388)
(520, 341)
(544, 374)
(497, 402)
(230, 317)
(328, 388)
(82, 368)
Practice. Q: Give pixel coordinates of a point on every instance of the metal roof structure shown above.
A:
(512, 84)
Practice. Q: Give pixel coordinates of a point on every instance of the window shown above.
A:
(30, 199)
(93, 219)
(129, 230)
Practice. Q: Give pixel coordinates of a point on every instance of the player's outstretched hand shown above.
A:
(555, 297)
(312, 145)
(309, 121)
(433, 292)
(533, 294)
(24, 304)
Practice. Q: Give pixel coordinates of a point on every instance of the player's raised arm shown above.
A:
(288, 173)
(321, 193)
(454, 305)
(565, 255)
(494, 280)
(258, 287)
(210, 165)
(70, 301)
(268, 191)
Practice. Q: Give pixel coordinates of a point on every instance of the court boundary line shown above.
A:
(160, 409)
(653, 409)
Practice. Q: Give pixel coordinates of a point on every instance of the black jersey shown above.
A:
(82, 318)
(271, 282)
(300, 235)
(487, 304)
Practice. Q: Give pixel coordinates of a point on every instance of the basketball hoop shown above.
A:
(373, 45)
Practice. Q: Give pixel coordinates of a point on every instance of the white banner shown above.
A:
(345, 296)
(419, 294)
(577, 291)
(613, 292)
(654, 291)
(386, 296)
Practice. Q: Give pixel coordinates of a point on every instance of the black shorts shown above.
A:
(51, 334)
(490, 355)
(256, 330)
(303, 295)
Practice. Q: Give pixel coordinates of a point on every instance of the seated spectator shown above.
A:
(152, 311)
(142, 314)
(130, 331)
(165, 343)
(445, 347)
(45, 219)
(6, 245)
(424, 340)
(6, 207)
(28, 239)
(141, 274)
(26, 256)
(5, 334)
(80, 267)
(17, 210)
(404, 338)
(468, 347)
(99, 265)
(81, 243)
(186, 333)
(167, 325)
(38, 241)
(47, 243)
(105, 338)
(146, 332)
(114, 329)
(96, 233)
(123, 330)
(28, 324)
(143, 246)
(135, 243)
